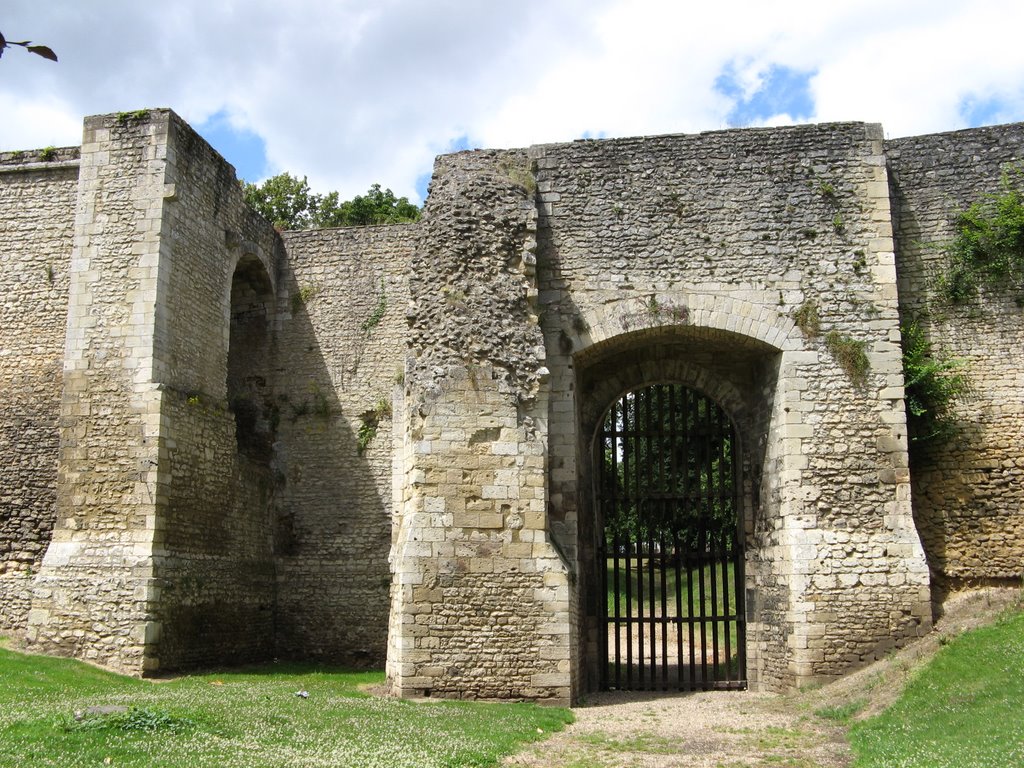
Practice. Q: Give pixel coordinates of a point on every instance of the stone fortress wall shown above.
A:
(38, 192)
(352, 444)
(967, 493)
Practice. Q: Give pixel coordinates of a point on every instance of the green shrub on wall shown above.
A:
(932, 385)
(988, 249)
(851, 355)
(807, 319)
(370, 420)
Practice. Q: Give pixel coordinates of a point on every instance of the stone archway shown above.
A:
(249, 370)
(730, 382)
(218, 605)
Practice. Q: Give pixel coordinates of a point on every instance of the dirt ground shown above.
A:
(730, 730)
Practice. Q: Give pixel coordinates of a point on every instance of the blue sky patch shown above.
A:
(978, 111)
(780, 90)
(461, 143)
(422, 181)
(458, 144)
(243, 149)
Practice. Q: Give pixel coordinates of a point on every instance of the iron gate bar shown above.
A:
(725, 551)
(664, 613)
(678, 563)
(618, 645)
(654, 606)
(641, 667)
(728, 551)
(702, 545)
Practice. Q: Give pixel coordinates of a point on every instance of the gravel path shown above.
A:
(721, 729)
(716, 729)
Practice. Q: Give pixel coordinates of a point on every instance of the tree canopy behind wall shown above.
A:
(288, 202)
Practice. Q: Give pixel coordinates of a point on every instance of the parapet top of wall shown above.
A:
(44, 159)
(399, 232)
(730, 137)
(934, 178)
(732, 229)
(964, 141)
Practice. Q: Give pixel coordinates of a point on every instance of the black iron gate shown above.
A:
(671, 553)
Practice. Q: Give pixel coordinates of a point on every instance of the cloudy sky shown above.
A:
(353, 92)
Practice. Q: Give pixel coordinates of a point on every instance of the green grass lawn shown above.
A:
(245, 718)
(964, 709)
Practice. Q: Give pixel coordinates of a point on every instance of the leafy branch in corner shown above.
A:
(39, 50)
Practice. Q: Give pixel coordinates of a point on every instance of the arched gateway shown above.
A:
(671, 551)
(674, 575)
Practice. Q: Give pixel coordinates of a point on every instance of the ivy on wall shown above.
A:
(932, 385)
(988, 250)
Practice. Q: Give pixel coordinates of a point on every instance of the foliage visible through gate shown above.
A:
(671, 547)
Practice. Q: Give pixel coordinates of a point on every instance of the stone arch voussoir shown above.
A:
(647, 372)
(698, 311)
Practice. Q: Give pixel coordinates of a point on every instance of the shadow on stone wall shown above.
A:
(335, 374)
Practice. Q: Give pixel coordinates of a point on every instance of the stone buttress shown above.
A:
(480, 596)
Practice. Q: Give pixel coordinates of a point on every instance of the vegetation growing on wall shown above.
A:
(288, 203)
(379, 311)
(369, 423)
(302, 297)
(807, 319)
(932, 384)
(988, 250)
(521, 174)
(851, 356)
(132, 117)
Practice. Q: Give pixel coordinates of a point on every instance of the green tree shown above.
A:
(377, 206)
(289, 203)
(668, 471)
(284, 200)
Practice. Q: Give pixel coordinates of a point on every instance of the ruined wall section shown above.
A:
(736, 231)
(968, 496)
(37, 213)
(340, 359)
(161, 554)
(213, 544)
(480, 595)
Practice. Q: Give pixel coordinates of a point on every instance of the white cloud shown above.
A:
(36, 123)
(362, 91)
